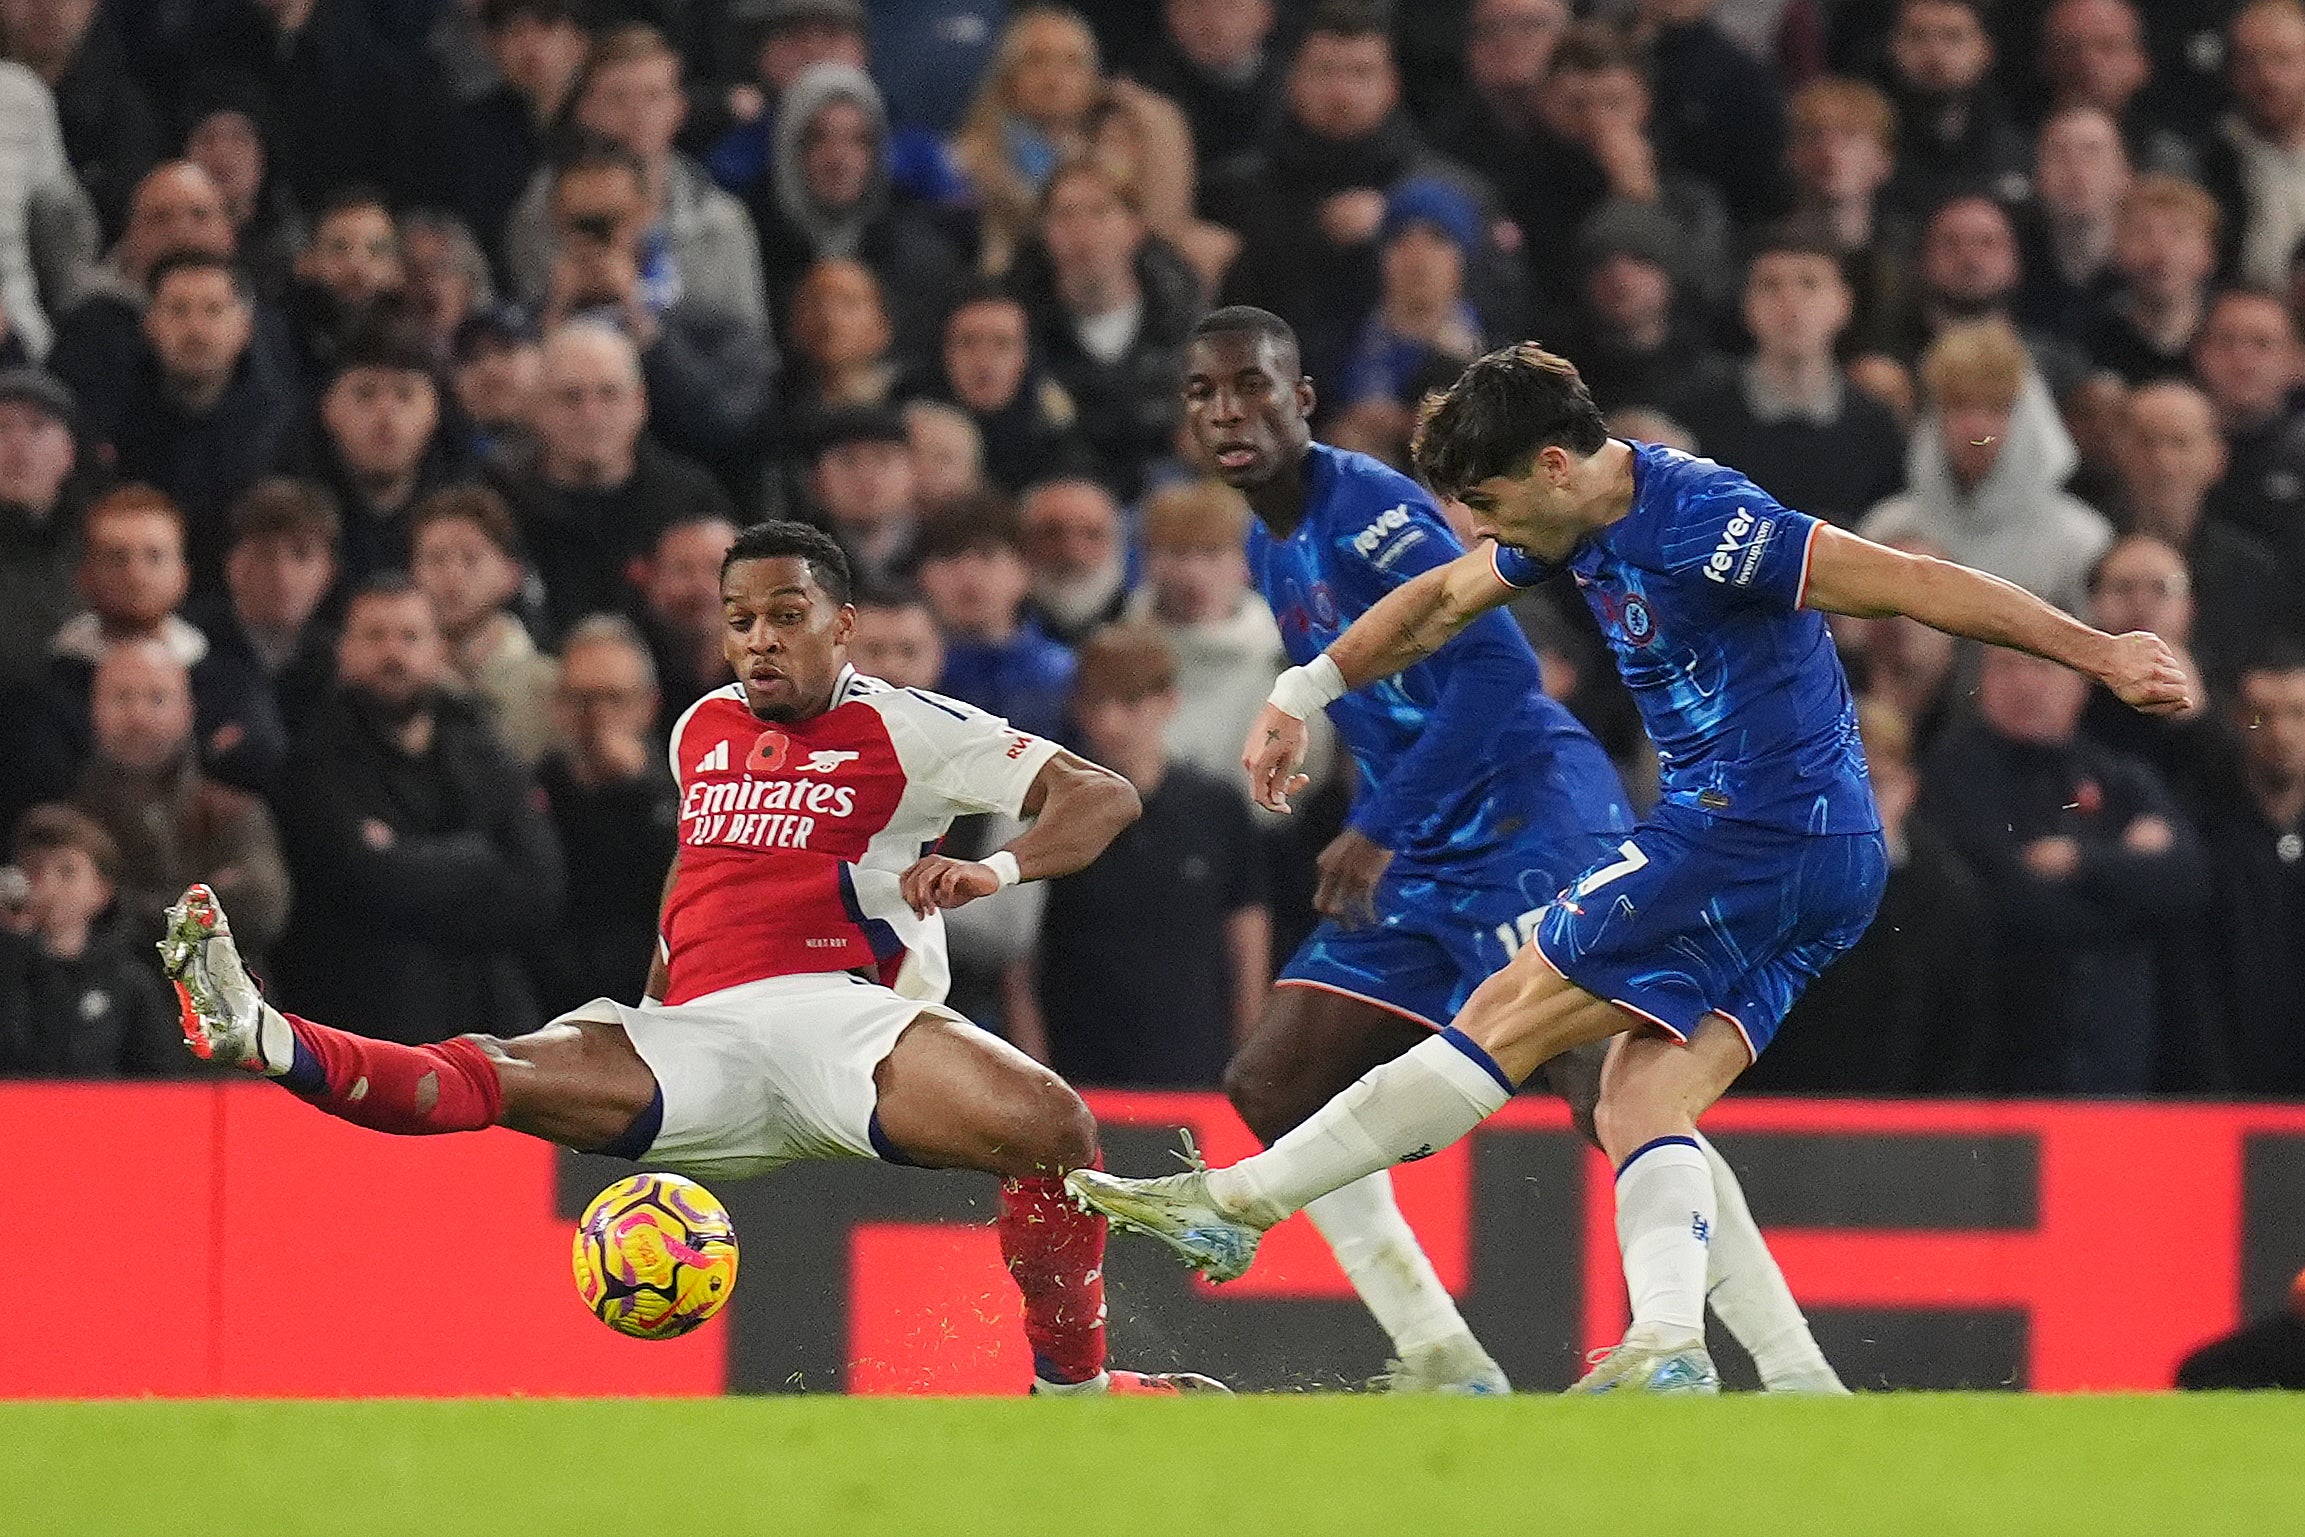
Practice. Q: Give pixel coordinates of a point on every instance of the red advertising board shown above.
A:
(225, 1239)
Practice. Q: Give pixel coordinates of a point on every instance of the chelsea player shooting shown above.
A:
(1763, 862)
(1479, 798)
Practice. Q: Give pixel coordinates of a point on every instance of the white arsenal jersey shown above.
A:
(792, 836)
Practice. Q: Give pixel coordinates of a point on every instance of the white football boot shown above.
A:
(1456, 1367)
(1647, 1366)
(1175, 1211)
(225, 1017)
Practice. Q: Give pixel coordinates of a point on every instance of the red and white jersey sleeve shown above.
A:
(793, 837)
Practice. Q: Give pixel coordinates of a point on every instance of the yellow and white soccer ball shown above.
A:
(655, 1256)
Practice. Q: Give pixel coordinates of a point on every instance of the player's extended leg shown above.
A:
(1408, 1108)
(1310, 1046)
(581, 1085)
(951, 1096)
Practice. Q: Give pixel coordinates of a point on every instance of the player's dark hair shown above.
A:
(1501, 411)
(780, 538)
(174, 262)
(1247, 319)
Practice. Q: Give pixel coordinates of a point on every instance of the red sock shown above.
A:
(1056, 1252)
(413, 1091)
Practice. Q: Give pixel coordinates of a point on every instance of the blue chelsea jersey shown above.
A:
(1698, 591)
(1462, 758)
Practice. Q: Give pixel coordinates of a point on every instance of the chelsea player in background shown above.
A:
(1479, 800)
(1763, 862)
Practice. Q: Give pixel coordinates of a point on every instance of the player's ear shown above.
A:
(1306, 400)
(844, 624)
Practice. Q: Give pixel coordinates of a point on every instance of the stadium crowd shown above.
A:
(385, 379)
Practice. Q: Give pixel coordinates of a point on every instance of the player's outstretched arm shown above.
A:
(1402, 628)
(1079, 808)
(1849, 575)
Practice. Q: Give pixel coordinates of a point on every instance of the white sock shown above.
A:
(1748, 1292)
(1416, 1104)
(1387, 1266)
(1665, 1214)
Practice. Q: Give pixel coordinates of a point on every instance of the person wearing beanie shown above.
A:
(1423, 326)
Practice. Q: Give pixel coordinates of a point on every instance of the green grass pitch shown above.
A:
(1940, 1465)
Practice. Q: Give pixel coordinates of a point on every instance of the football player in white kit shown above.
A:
(794, 1009)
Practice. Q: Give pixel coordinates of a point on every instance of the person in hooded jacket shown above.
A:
(827, 194)
(1983, 473)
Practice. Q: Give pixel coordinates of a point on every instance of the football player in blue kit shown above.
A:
(1763, 862)
(1478, 800)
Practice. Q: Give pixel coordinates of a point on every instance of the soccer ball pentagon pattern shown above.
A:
(655, 1256)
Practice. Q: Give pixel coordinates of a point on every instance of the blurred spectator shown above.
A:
(841, 337)
(2085, 864)
(1216, 61)
(447, 279)
(278, 570)
(2164, 250)
(973, 573)
(2255, 161)
(1724, 115)
(597, 489)
(465, 557)
(1635, 339)
(111, 133)
(616, 809)
(1111, 306)
(347, 273)
(1968, 271)
(2171, 456)
(99, 340)
(2142, 584)
(1502, 129)
(76, 1000)
(133, 575)
(1077, 552)
(47, 226)
(1145, 145)
(1912, 1009)
(2093, 56)
(538, 46)
(40, 500)
(1422, 328)
(680, 611)
(441, 870)
(1028, 422)
(896, 639)
(2253, 933)
(1155, 960)
(344, 105)
(1787, 415)
(2247, 359)
(1196, 594)
(227, 138)
(1030, 114)
(829, 196)
(710, 370)
(861, 481)
(172, 824)
(379, 440)
(1954, 133)
(695, 243)
(1309, 205)
(495, 365)
(1984, 468)
(1842, 151)
(947, 453)
(206, 411)
(1599, 99)
(2080, 177)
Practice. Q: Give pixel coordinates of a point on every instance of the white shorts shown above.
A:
(766, 1073)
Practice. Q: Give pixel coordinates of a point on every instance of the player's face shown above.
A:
(1245, 406)
(1522, 512)
(784, 636)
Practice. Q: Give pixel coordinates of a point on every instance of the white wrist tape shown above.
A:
(1003, 864)
(1305, 691)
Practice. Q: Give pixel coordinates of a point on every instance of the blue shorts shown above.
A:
(1436, 940)
(1696, 915)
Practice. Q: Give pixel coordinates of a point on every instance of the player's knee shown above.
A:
(1061, 1132)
